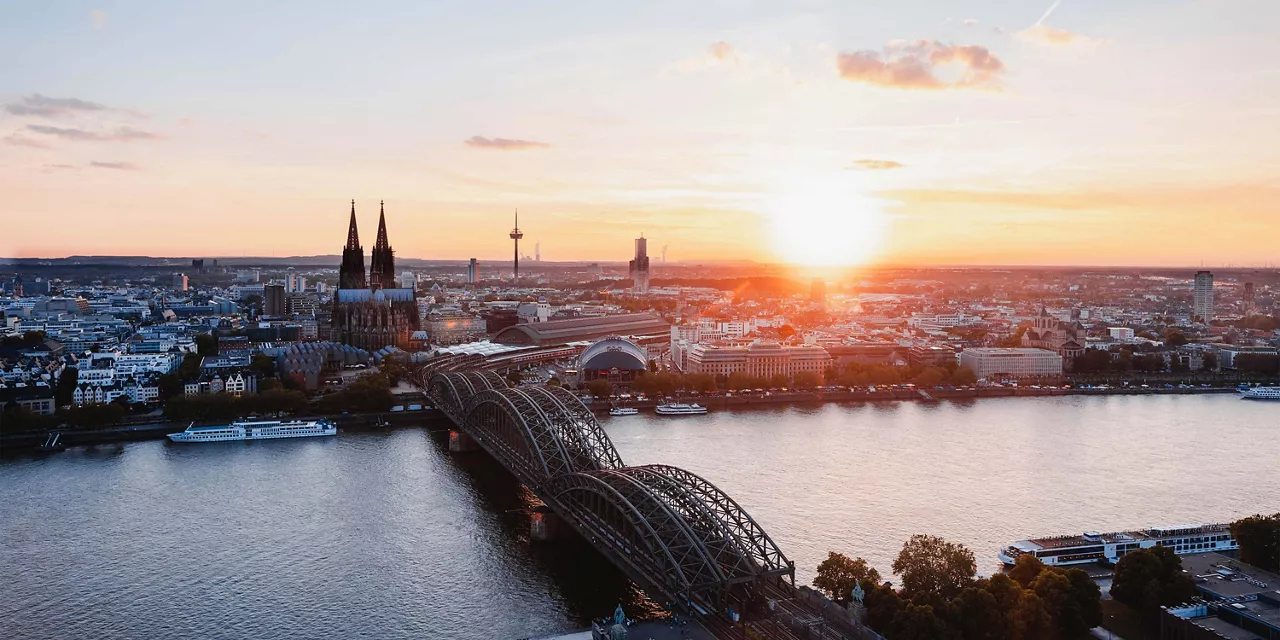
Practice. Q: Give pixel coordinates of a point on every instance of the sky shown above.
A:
(913, 132)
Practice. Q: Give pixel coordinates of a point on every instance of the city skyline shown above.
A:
(1069, 133)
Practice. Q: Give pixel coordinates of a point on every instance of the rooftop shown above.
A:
(1225, 577)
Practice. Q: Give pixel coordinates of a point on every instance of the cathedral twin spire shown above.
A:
(382, 269)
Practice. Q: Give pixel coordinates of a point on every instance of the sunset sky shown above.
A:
(1123, 132)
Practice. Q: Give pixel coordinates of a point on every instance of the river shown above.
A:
(387, 535)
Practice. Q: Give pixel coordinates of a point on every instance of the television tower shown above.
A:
(515, 236)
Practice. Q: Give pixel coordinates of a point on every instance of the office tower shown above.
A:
(180, 282)
(818, 291)
(639, 267)
(273, 300)
(473, 271)
(1202, 307)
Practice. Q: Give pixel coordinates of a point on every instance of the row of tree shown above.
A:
(941, 596)
(224, 406)
(856, 374)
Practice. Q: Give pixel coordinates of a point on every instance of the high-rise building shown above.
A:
(639, 267)
(1202, 307)
(818, 291)
(473, 271)
(180, 281)
(296, 283)
(197, 265)
(274, 302)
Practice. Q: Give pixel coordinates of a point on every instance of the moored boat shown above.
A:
(623, 411)
(680, 409)
(1094, 546)
(256, 430)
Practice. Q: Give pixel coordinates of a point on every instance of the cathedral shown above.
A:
(372, 313)
(1067, 339)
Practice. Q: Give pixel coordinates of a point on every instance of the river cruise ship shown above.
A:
(623, 411)
(1260, 393)
(680, 409)
(257, 430)
(1094, 546)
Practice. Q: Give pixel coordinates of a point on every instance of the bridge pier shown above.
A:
(460, 442)
(545, 525)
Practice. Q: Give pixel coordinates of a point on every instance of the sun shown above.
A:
(825, 223)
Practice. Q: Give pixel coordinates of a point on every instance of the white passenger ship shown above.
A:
(1094, 546)
(679, 409)
(1260, 393)
(257, 430)
(623, 411)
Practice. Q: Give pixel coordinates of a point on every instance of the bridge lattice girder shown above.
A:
(539, 432)
(672, 528)
(452, 391)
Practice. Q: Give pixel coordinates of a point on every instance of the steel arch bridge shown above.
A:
(680, 537)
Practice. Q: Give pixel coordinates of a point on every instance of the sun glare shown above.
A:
(826, 223)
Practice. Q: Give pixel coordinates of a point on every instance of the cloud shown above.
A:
(970, 22)
(121, 134)
(1045, 34)
(123, 166)
(503, 144)
(914, 65)
(23, 141)
(867, 164)
(53, 167)
(98, 18)
(723, 51)
(38, 105)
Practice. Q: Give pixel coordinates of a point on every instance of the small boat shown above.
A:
(680, 409)
(623, 411)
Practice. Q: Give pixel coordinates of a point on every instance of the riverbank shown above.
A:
(28, 442)
(741, 399)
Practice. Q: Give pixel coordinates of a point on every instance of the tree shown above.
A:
(1147, 579)
(1259, 539)
(976, 615)
(1058, 595)
(554, 382)
(514, 378)
(919, 622)
(189, 370)
(931, 565)
(600, 388)
(930, 377)
(263, 365)
(1026, 570)
(1174, 338)
(66, 386)
(207, 344)
(884, 606)
(807, 380)
(1031, 619)
(1088, 597)
(964, 376)
(839, 574)
(1210, 362)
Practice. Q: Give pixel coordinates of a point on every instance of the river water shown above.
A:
(387, 535)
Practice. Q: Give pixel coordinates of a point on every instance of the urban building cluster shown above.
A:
(128, 329)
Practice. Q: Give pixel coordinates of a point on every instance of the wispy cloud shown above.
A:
(503, 144)
(121, 134)
(867, 164)
(98, 18)
(123, 166)
(18, 140)
(970, 22)
(1045, 34)
(718, 54)
(38, 105)
(916, 65)
(59, 167)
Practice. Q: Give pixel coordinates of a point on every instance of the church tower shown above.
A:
(351, 275)
(382, 268)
